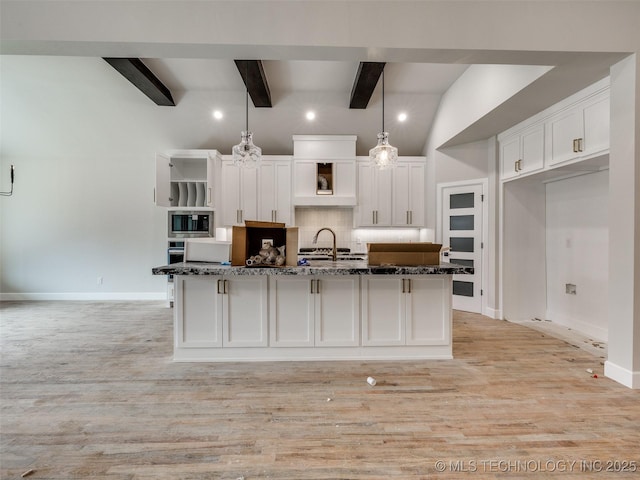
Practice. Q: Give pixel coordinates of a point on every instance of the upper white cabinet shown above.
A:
(374, 195)
(408, 192)
(262, 193)
(573, 130)
(522, 152)
(239, 194)
(580, 131)
(324, 170)
(392, 197)
(186, 178)
(275, 190)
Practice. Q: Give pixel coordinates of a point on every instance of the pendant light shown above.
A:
(383, 155)
(246, 154)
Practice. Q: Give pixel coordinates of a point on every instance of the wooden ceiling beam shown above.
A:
(365, 83)
(255, 80)
(142, 78)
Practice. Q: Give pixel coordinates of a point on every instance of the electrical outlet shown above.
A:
(99, 281)
(570, 288)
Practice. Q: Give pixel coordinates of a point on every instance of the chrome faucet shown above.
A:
(334, 255)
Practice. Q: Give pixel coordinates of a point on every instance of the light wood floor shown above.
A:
(89, 391)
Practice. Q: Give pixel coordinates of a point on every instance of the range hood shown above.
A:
(324, 170)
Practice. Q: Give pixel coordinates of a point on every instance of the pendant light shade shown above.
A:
(246, 154)
(383, 155)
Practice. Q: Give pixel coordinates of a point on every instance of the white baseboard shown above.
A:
(622, 375)
(493, 313)
(87, 296)
(595, 331)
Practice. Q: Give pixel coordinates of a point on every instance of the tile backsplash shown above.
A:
(310, 219)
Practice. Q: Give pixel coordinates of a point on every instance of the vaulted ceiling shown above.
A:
(346, 97)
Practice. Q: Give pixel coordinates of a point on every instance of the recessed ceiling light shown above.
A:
(310, 115)
(402, 117)
(217, 114)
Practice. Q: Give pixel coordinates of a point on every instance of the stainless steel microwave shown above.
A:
(197, 223)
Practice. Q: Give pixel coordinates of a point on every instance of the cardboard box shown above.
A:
(248, 240)
(404, 254)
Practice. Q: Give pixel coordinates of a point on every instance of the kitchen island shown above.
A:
(324, 311)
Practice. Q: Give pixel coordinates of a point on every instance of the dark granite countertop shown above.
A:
(315, 268)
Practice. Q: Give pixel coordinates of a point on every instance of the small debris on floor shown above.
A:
(371, 381)
(589, 370)
(28, 472)
(329, 399)
(595, 375)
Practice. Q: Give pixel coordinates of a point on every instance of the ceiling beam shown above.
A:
(365, 83)
(255, 80)
(142, 78)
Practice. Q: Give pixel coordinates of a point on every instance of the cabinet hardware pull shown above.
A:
(575, 146)
(208, 195)
(318, 286)
(410, 217)
(515, 165)
(218, 286)
(312, 286)
(409, 282)
(580, 140)
(226, 286)
(241, 215)
(403, 287)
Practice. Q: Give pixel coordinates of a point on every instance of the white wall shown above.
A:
(577, 250)
(83, 146)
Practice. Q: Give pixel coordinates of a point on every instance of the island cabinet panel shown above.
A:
(245, 313)
(314, 311)
(291, 311)
(219, 312)
(428, 310)
(337, 311)
(198, 315)
(383, 311)
(413, 310)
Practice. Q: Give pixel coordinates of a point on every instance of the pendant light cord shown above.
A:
(383, 99)
(246, 100)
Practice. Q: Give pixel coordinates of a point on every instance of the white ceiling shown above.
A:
(322, 86)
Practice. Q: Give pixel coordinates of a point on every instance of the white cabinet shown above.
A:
(374, 195)
(580, 131)
(239, 194)
(406, 310)
(324, 170)
(185, 178)
(245, 320)
(308, 184)
(275, 190)
(217, 312)
(314, 311)
(567, 133)
(522, 152)
(262, 193)
(392, 197)
(408, 193)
